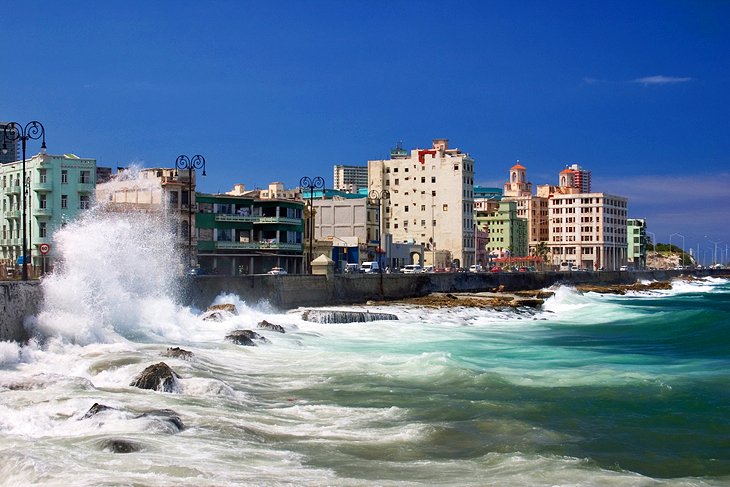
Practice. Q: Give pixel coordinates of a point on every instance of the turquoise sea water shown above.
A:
(591, 390)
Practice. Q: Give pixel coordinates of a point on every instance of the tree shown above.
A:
(542, 250)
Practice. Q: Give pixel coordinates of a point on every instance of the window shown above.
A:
(42, 229)
(433, 179)
(64, 201)
(84, 202)
(446, 207)
(43, 202)
(42, 176)
(64, 176)
(85, 177)
(423, 179)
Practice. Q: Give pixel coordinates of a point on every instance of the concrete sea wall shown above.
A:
(18, 300)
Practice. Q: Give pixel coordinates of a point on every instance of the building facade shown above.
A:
(58, 189)
(239, 235)
(431, 201)
(506, 231)
(350, 178)
(636, 236)
(588, 230)
(574, 176)
(533, 208)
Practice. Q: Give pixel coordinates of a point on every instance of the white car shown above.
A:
(277, 271)
(412, 269)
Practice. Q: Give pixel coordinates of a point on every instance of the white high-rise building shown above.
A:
(350, 178)
(431, 201)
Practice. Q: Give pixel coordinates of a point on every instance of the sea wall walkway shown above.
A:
(19, 300)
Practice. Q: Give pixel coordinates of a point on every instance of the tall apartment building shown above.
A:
(588, 230)
(58, 188)
(533, 208)
(574, 176)
(9, 149)
(507, 232)
(431, 201)
(350, 178)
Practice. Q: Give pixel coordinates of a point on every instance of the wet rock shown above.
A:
(329, 316)
(96, 409)
(623, 288)
(158, 377)
(219, 312)
(270, 326)
(245, 337)
(120, 445)
(177, 352)
(167, 417)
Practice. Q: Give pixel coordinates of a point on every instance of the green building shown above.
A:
(506, 232)
(58, 189)
(636, 240)
(247, 235)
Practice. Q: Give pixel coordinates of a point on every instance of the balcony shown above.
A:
(15, 189)
(258, 246)
(42, 211)
(257, 220)
(278, 219)
(85, 188)
(42, 187)
(13, 214)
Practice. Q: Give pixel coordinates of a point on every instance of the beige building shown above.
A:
(431, 201)
(350, 178)
(588, 230)
(156, 190)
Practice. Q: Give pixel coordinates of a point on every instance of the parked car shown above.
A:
(412, 269)
(370, 267)
(352, 269)
(277, 271)
(475, 268)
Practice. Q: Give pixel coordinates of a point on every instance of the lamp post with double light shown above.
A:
(714, 254)
(13, 132)
(681, 259)
(311, 184)
(190, 163)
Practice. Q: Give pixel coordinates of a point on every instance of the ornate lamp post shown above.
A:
(311, 184)
(31, 131)
(195, 162)
(379, 196)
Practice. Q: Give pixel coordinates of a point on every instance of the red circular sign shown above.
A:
(44, 248)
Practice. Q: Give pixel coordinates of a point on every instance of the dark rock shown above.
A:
(158, 377)
(213, 316)
(245, 337)
(270, 326)
(230, 308)
(119, 445)
(166, 416)
(177, 352)
(96, 409)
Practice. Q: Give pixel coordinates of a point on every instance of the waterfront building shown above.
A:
(636, 242)
(506, 231)
(58, 189)
(347, 230)
(350, 178)
(431, 201)
(588, 230)
(157, 190)
(240, 235)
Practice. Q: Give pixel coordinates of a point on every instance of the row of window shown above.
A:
(84, 178)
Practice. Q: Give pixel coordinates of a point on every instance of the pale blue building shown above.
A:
(58, 189)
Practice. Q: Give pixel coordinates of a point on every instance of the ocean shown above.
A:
(592, 389)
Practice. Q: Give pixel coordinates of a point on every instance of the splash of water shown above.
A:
(116, 275)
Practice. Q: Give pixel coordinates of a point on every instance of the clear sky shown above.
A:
(635, 91)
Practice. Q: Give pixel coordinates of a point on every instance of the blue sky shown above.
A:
(637, 92)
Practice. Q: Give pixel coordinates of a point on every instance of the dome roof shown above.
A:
(518, 167)
(566, 171)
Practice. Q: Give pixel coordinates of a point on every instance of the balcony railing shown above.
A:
(42, 186)
(258, 246)
(258, 220)
(42, 211)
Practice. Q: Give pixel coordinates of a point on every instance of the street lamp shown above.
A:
(195, 162)
(311, 184)
(681, 261)
(379, 196)
(32, 130)
(714, 255)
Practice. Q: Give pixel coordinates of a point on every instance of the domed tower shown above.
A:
(517, 184)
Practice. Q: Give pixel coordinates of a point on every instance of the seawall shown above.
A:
(293, 291)
(19, 300)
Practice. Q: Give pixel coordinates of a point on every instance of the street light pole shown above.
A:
(195, 162)
(714, 254)
(311, 184)
(32, 130)
(379, 196)
(681, 261)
